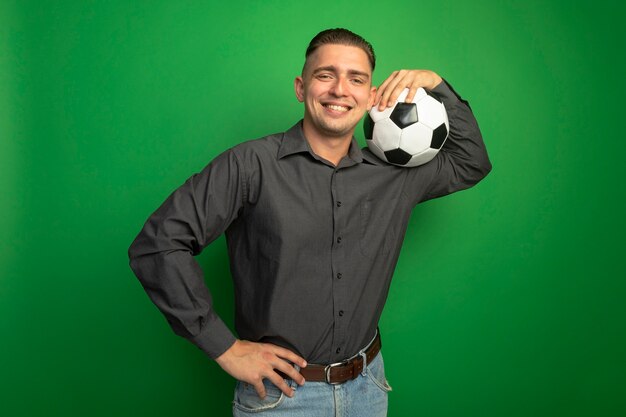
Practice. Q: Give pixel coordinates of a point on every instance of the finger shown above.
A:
(384, 87)
(407, 81)
(388, 99)
(411, 95)
(384, 98)
(289, 355)
(281, 384)
(290, 371)
(393, 90)
(260, 389)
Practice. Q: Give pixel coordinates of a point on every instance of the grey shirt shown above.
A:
(312, 246)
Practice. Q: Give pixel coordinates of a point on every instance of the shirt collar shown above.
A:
(294, 142)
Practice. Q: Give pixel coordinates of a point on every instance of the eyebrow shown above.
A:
(332, 68)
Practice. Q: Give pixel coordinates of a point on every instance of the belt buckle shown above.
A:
(327, 372)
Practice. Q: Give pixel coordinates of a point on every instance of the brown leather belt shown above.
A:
(340, 372)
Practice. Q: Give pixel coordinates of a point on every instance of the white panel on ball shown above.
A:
(416, 138)
(375, 149)
(403, 135)
(431, 112)
(377, 116)
(387, 134)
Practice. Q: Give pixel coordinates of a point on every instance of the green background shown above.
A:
(508, 299)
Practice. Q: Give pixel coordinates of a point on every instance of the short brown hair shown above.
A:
(340, 36)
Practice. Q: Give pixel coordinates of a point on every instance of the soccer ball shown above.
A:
(408, 134)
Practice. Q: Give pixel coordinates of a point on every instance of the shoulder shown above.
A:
(255, 157)
(258, 150)
(246, 156)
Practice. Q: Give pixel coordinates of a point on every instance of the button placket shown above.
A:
(337, 256)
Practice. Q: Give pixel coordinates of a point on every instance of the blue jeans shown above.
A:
(365, 396)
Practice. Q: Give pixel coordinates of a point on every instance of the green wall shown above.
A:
(508, 300)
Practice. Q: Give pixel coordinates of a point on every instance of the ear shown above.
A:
(371, 99)
(298, 85)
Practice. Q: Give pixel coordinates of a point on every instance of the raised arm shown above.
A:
(463, 160)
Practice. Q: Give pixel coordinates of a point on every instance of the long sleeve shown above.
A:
(461, 162)
(162, 255)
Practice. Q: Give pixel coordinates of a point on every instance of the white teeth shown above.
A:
(337, 108)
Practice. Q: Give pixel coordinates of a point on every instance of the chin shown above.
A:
(339, 131)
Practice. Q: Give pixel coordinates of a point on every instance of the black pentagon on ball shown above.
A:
(368, 126)
(405, 114)
(398, 156)
(439, 136)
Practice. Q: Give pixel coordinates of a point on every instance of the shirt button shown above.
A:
(340, 313)
(338, 350)
(339, 239)
(338, 203)
(339, 275)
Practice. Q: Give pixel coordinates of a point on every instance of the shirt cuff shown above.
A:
(215, 338)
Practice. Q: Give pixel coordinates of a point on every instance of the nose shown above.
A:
(339, 87)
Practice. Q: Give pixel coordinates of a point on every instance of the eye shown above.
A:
(358, 81)
(324, 77)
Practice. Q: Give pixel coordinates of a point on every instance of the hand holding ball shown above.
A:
(408, 134)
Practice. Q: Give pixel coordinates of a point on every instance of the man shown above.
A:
(314, 227)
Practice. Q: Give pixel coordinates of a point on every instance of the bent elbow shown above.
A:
(486, 168)
(476, 172)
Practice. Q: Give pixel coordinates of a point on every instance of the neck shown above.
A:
(331, 148)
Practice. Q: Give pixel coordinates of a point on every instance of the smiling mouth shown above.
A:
(337, 107)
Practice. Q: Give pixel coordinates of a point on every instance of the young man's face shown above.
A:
(336, 88)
